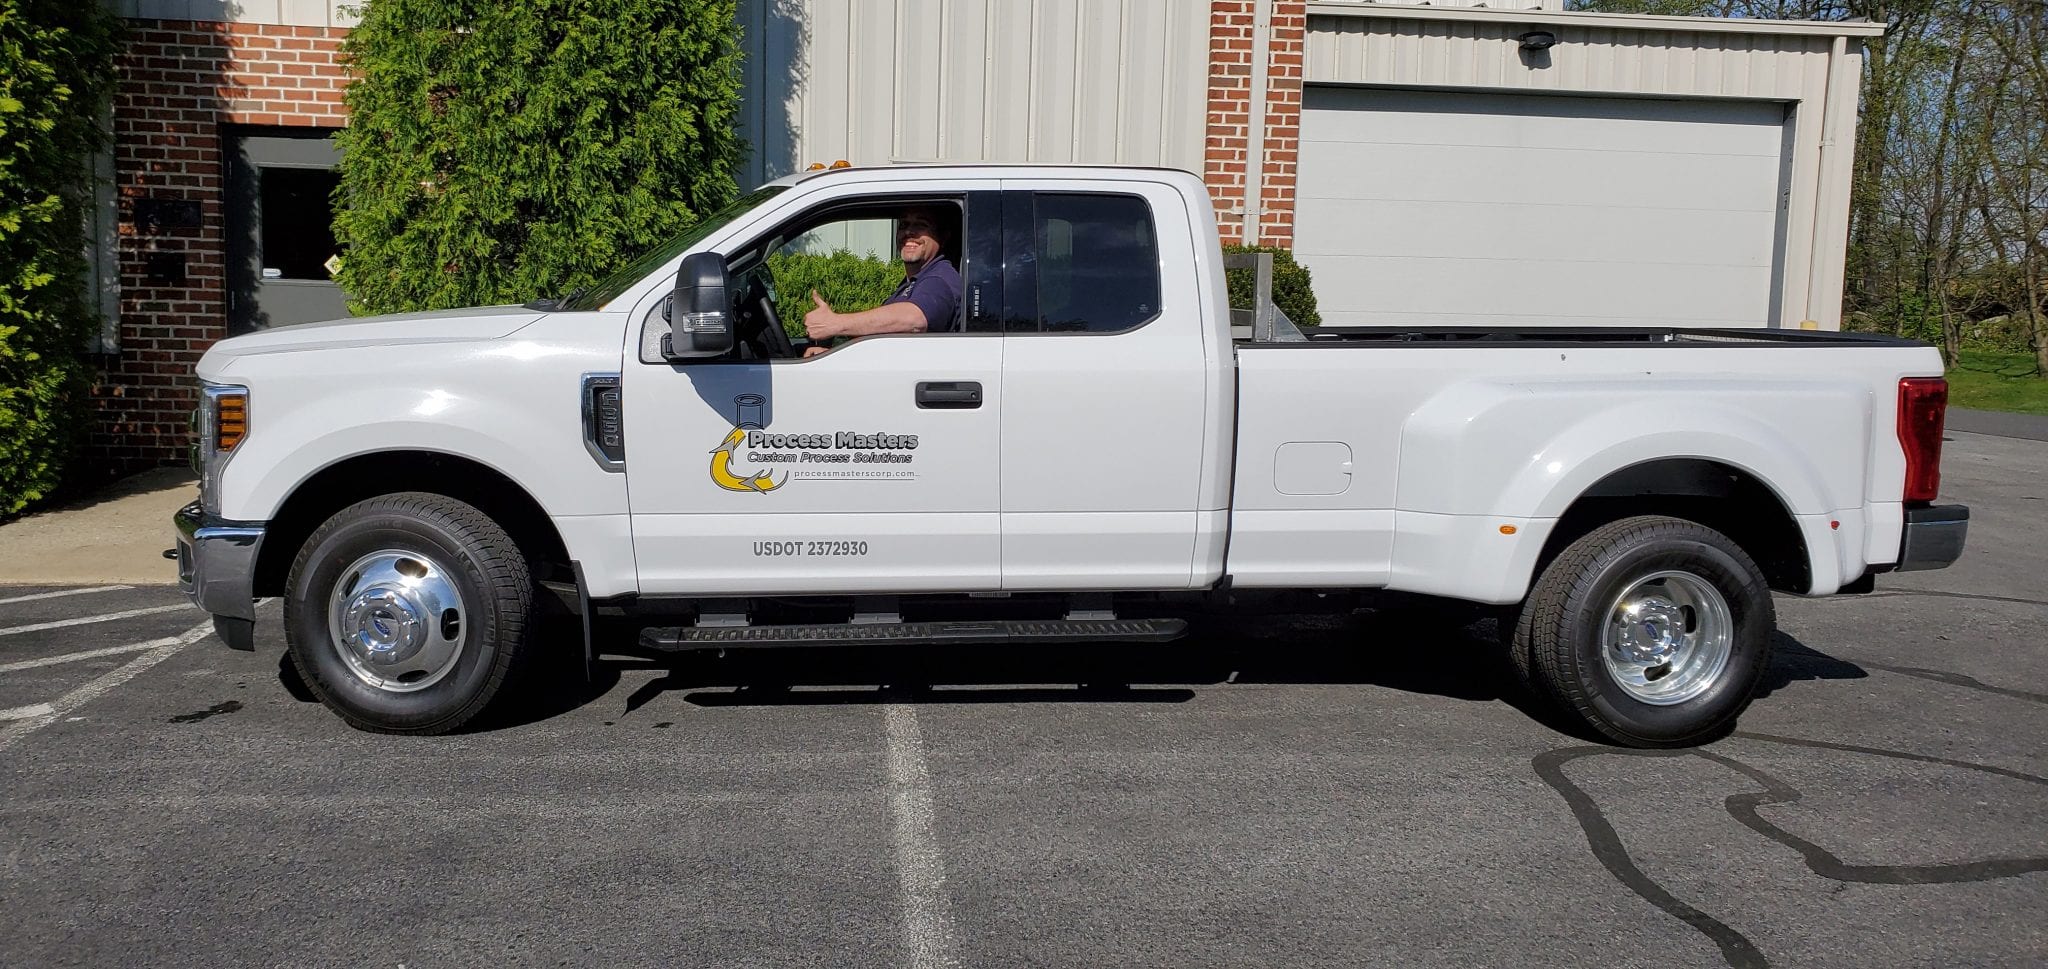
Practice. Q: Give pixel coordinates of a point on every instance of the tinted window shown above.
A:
(1098, 262)
(298, 222)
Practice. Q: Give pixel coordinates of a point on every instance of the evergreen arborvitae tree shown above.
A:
(56, 66)
(504, 150)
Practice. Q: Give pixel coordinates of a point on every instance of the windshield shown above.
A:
(607, 289)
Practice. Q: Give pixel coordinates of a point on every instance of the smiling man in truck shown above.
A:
(928, 300)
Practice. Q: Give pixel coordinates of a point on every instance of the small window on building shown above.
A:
(1098, 263)
(298, 222)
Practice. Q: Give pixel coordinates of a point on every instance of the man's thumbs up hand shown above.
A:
(821, 323)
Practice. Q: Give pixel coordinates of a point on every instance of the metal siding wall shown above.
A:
(821, 121)
(876, 89)
(920, 74)
(1009, 49)
(880, 81)
(1100, 82)
(1053, 84)
(966, 35)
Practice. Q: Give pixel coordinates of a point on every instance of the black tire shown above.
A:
(480, 560)
(1557, 638)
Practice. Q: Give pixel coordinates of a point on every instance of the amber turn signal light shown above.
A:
(231, 421)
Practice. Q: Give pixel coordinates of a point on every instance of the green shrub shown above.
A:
(56, 62)
(508, 151)
(1291, 285)
(849, 282)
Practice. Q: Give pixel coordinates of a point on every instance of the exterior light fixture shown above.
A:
(1538, 40)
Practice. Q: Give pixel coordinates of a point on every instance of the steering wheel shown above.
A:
(773, 336)
(772, 333)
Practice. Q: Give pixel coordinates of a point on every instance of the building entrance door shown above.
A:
(280, 220)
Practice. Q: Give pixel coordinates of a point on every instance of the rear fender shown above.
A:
(1488, 468)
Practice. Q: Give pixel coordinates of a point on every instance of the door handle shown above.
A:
(949, 394)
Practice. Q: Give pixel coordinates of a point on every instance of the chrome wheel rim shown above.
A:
(398, 620)
(1668, 637)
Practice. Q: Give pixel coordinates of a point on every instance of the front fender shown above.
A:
(514, 406)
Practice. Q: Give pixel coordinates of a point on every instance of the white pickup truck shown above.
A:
(1089, 452)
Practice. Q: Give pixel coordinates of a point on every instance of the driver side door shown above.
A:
(862, 470)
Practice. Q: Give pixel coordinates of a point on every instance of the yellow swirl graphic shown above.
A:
(721, 468)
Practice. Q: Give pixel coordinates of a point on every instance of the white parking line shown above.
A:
(63, 593)
(23, 713)
(13, 732)
(920, 870)
(87, 620)
(29, 664)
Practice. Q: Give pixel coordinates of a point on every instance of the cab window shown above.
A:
(1096, 265)
(848, 254)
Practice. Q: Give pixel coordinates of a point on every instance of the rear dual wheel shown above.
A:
(407, 613)
(1652, 631)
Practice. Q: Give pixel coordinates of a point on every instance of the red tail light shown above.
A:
(1923, 408)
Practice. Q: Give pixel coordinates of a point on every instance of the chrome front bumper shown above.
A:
(217, 565)
(1934, 537)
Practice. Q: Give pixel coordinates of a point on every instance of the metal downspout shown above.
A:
(1830, 195)
(1255, 129)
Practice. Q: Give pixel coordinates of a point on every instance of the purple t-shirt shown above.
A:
(935, 290)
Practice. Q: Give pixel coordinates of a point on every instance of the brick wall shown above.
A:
(1230, 98)
(180, 83)
(1230, 149)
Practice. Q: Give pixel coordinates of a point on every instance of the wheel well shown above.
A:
(1722, 497)
(387, 472)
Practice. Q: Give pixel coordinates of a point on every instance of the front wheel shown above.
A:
(1652, 631)
(406, 613)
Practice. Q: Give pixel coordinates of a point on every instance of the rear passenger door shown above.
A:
(1104, 383)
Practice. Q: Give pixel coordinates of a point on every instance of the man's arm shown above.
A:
(824, 323)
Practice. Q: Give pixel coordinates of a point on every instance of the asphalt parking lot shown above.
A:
(1348, 791)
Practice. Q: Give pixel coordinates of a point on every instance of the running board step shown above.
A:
(677, 638)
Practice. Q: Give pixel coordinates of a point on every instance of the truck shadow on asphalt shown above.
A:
(1425, 652)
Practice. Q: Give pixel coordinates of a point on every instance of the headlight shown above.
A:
(220, 425)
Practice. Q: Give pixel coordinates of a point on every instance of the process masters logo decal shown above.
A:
(816, 456)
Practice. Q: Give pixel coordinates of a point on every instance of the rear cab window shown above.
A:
(1079, 263)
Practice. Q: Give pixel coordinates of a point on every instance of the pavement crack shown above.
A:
(1895, 754)
(1736, 949)
(1743, 808)
(1957, 679)
(1897, 593)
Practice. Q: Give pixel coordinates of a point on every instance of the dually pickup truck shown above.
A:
(1089, 451)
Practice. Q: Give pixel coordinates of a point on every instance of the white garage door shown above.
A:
(1438, 209)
